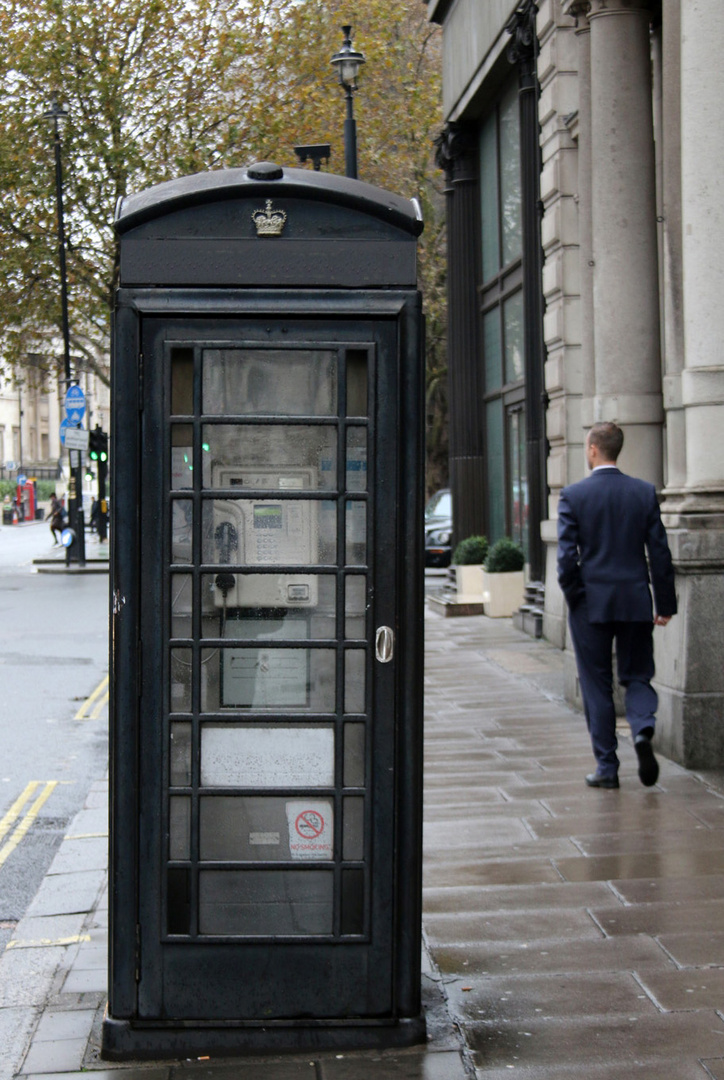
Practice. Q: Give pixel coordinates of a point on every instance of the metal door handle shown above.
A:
(384, 644)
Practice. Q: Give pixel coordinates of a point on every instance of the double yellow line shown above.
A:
(9, 822)
(92, 706)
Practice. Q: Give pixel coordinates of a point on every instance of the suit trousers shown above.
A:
(593, 646)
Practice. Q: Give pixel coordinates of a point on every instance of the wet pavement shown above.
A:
(568, 931)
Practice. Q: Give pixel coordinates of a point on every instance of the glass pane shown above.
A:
(356, 458)
(353, 901)
(510, 187)
(514, 344)
(354, 755)
(354, 680)
(492, 350)
(273, 756)
(266, 902)
(263, 606)
(269, 532)
(181, 680)
(496, 469)
(282, 457)
(178, 900)
(269, 382)
(353, 828)
(180, 756)
(356, 382)
(489, 197)
(293, 680)
(182, 456)
(355, 606)
(181, 599)
(356, 534)
(179, 844)
(518, 478)
(182, 382)
(182, 516)
(252, 829)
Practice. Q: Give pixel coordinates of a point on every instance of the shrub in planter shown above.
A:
(468, 559)
(503, 579)
(504, 557)
(471, 552)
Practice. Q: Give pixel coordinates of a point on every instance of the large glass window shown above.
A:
(503, 338)
(500, 185)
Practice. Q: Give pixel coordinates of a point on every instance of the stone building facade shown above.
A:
(624, 238)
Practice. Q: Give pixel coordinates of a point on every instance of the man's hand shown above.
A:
(662, 620)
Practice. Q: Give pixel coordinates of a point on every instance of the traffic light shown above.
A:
(98, 444)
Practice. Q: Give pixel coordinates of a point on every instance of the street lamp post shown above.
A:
(348, 62)
(75, 488)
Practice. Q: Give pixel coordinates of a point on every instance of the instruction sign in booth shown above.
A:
(266, 712)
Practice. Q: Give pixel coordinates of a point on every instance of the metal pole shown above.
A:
(75, 490)
(350, 138)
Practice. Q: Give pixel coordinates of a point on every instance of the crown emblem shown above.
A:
(269, 222)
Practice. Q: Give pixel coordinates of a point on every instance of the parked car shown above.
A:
(438, 528)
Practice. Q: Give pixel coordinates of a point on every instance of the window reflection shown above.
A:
(281, 456)
(270, 382)
(269, 532)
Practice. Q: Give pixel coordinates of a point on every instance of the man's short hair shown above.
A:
(608, 437)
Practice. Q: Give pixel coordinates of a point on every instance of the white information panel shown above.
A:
(268, 757)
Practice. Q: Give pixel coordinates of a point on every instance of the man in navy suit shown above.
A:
(606, 525)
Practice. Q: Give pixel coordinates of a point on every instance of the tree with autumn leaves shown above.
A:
(156, 89)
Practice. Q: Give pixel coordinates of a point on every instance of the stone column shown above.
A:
(457, 155)
(690, 677)
(625, 258)
(672, 267)
(702, 179)
(579, 8)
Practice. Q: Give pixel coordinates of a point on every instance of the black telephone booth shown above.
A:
(266, 711)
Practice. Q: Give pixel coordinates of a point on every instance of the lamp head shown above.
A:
(348, 61)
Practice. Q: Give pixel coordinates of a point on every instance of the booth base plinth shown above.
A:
(128, 1040)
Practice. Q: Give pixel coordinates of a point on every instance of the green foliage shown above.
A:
(471, 551)
(157, 89)
(8, 487)
(504, 557)
(45, 488)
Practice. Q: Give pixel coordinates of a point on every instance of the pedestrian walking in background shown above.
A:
(607, 524)
(56, 518)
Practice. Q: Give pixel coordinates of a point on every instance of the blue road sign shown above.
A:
(64, 425)
(67, 537)
(75, 404)
(22, 479)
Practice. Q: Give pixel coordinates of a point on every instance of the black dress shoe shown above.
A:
(594, 779)
(648, 765)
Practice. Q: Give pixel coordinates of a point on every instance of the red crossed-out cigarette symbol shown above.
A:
(309, 824)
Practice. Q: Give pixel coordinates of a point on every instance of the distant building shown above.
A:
(31, 412)
(584, 154)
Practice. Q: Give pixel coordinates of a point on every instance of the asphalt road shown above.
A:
(53, 658)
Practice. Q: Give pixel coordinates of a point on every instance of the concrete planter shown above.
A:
(469, 582)
(503, 593)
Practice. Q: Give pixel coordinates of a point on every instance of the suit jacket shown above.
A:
(606, 525)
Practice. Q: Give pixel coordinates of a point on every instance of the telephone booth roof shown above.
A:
(267, 179)
(267, 225)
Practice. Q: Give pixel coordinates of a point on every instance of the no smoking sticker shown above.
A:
(311, 829)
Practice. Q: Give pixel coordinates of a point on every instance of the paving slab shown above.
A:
(663, 864)
(617, 1043)
(553, 957)
(545, 997)
(65, 894)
